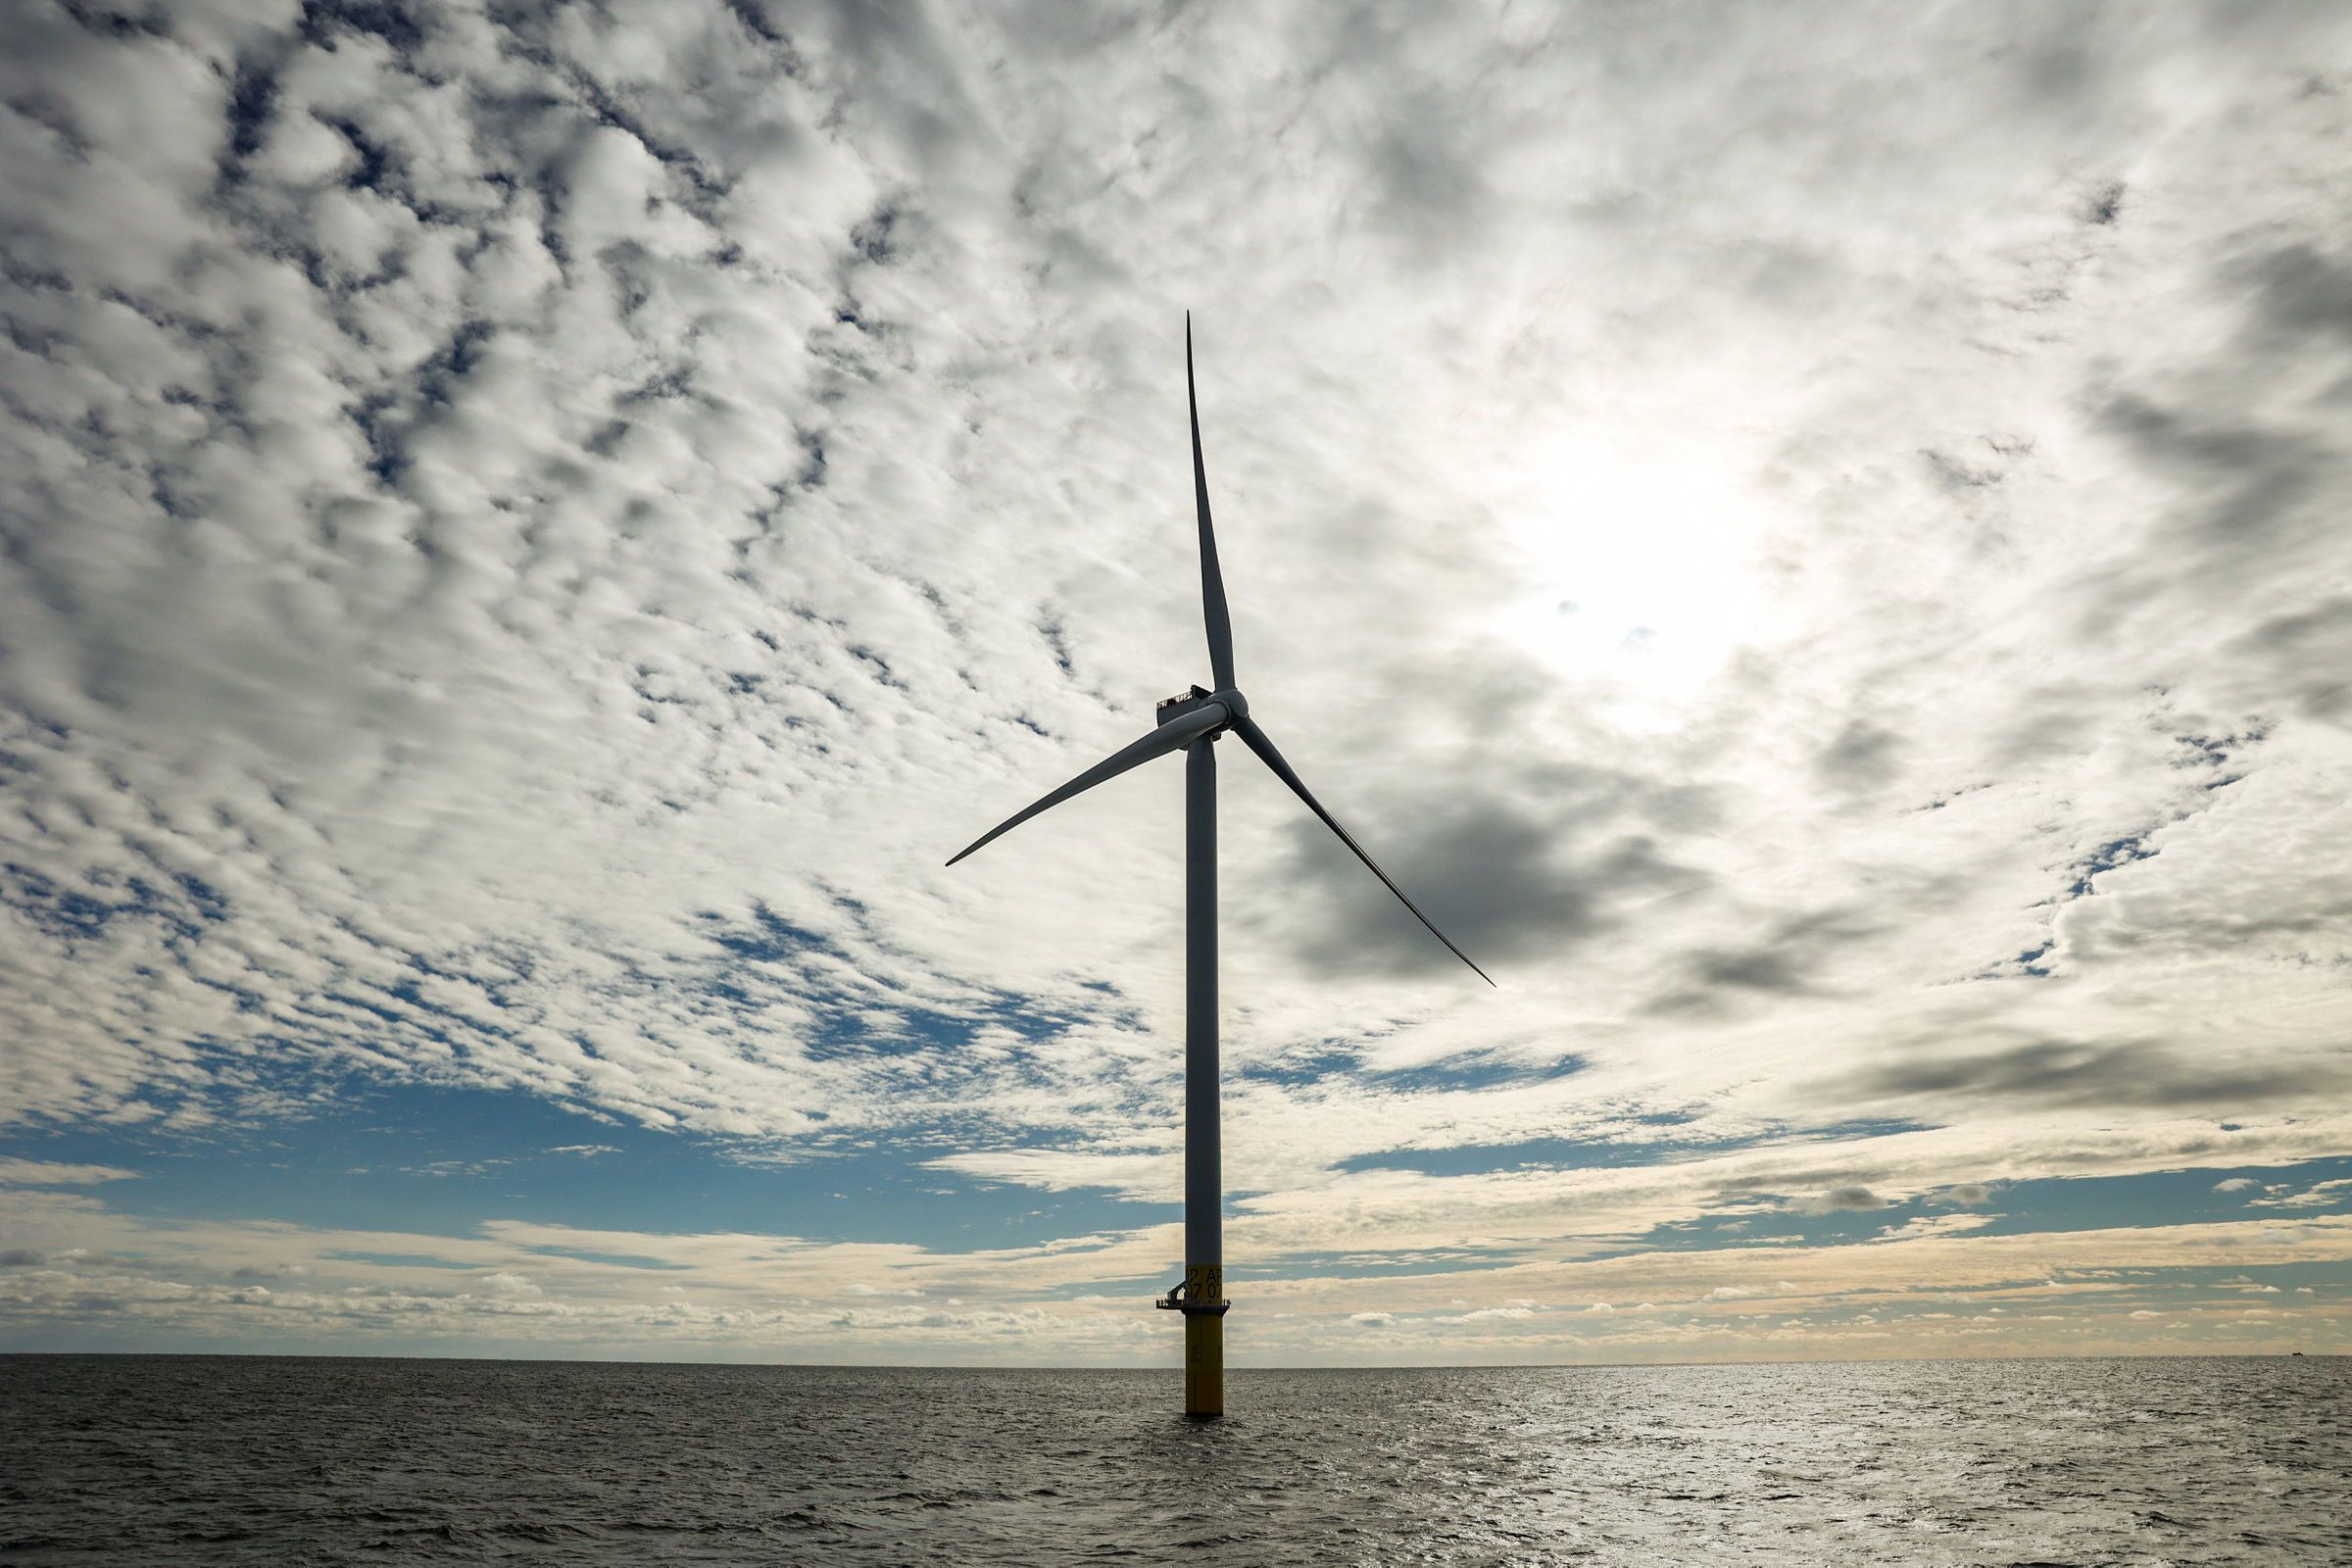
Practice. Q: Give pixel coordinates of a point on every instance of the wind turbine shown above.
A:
(1191, 723)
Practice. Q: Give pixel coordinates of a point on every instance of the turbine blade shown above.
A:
(1257, 741)
(1212, 580)
(1173, 736)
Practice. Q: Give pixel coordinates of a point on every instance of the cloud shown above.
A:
(1846, 1198)
(2077, 1073)
(1862, 757)
(1919, 1225)
(1513, 869)
(2236, 1184)
(15, 1172)
(2317, 1195)
(1750, 1293)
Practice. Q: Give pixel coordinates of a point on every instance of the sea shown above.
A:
(139, 1459)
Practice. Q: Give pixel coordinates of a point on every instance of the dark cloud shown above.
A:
(2253, 479)
(2246, 434)
(2103, 204)
(1526, 876)
(1848, 1198)
(2308, 655)
(2300, 292)
(1754, 969)
(2072, 1074)
(1863, 757)
(1787, 961)
(1425, 193)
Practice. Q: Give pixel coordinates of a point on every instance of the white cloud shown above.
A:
(2317, 1195)
(16, 1172)
(1935, 1225)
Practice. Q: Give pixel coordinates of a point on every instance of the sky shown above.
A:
(1810, 539)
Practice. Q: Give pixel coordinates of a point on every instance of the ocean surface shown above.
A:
(188, 1459)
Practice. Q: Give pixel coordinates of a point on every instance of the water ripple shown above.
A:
(171, 1460)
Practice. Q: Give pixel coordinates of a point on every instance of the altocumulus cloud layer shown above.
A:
(1813, 544)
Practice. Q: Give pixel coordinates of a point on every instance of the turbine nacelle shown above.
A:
(1235, 704)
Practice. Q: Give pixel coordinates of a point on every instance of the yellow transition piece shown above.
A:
(1203, 1341)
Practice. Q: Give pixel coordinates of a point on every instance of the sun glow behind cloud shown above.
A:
(1641, 567)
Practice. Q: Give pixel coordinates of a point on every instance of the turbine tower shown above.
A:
(1191, 723)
